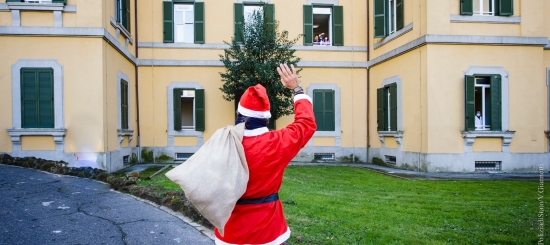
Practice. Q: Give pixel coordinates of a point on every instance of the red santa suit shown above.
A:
(267, 153)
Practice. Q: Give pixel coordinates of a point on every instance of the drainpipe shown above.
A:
(137, 82)
(368, 82)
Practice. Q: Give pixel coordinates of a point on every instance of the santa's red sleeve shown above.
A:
(296, 135)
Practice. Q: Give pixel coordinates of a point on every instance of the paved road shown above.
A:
(42, 208)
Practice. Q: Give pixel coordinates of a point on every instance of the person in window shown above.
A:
(479, 121)
(258, 216)
(316, 40)
(326, 42)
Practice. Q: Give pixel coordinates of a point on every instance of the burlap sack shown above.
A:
(215, 177)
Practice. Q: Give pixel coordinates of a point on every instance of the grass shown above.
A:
(343, 205)
(159, 180)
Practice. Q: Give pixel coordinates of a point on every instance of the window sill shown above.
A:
(394, 35)
(57, 133)
(125, 132)
(485, 19)
(36, 6)
(122, 30)
(469, 137)
(398, 135)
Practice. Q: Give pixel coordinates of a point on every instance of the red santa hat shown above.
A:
(254, 102)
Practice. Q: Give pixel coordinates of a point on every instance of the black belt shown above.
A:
(271, 198)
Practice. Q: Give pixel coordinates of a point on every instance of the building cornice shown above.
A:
(460, 40)
(68, 32)
(222, 46)
(217, 63)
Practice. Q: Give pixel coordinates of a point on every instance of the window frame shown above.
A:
(321, 116)
(123, 14)
(336, 25)
(168, 26)
(239, 18)
(124, 105)
(38, 100)
(198, 109)
(499, 7)
(495, 98)
(388, 17)
(184, 22)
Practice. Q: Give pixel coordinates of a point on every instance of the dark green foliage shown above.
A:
(133, 159)
(146, 155)
(163, 158)
(255, 60)
(378, 161)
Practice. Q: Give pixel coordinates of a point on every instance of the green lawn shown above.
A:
(343, 205)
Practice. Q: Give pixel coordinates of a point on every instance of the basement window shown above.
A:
(391, 159)
(183, 156)
(324, 156)
(488, 165)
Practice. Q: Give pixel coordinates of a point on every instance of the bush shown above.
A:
(378, 161)
(351, 158)
(146, 155)
(133, 159)
(163, 158)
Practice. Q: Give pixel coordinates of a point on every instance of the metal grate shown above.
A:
(126, 159)
(488, 165)
(391, 159)
(324, 156)
(183, 156)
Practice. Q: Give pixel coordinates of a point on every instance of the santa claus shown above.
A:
(258, 217)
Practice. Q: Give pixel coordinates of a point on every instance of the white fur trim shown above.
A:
(282, 238)
(302, 97)
(255, 132)
(251, 113)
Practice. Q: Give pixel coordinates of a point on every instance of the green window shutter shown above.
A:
(14, 1)
(399, 14)
(124, 104)
(29, 99)
(239, 21)
(318, 109)
(329, 110)
(380, 22)
(58, 1)
(199, 110)
(45, 98)
(337, 26)
(308, 25)
(470, 104)
(496, 105)
(269, 15)
(467, 7)
(177, 109)
(126, 14)
(380, 109)
(393, 107)
(504, 7)
(168, 22)
(199, 22)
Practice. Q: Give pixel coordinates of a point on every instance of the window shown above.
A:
(483, 97)
(123, 13)
(323, 25)
(487, 7)
(242, 13)
(189, 109)
(38, 1)
(388, 17)
(323, 108)
(183, 22)
(37, 98)
(124, 104)
(386, 107)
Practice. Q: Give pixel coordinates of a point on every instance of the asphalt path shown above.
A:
(43, 208)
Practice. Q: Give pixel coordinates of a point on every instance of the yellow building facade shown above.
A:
(434, 64)
(94, 83)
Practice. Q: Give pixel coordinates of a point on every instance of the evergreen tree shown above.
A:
(255, 60)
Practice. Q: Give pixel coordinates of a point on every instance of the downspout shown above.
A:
(137, 82)
(368, 82)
